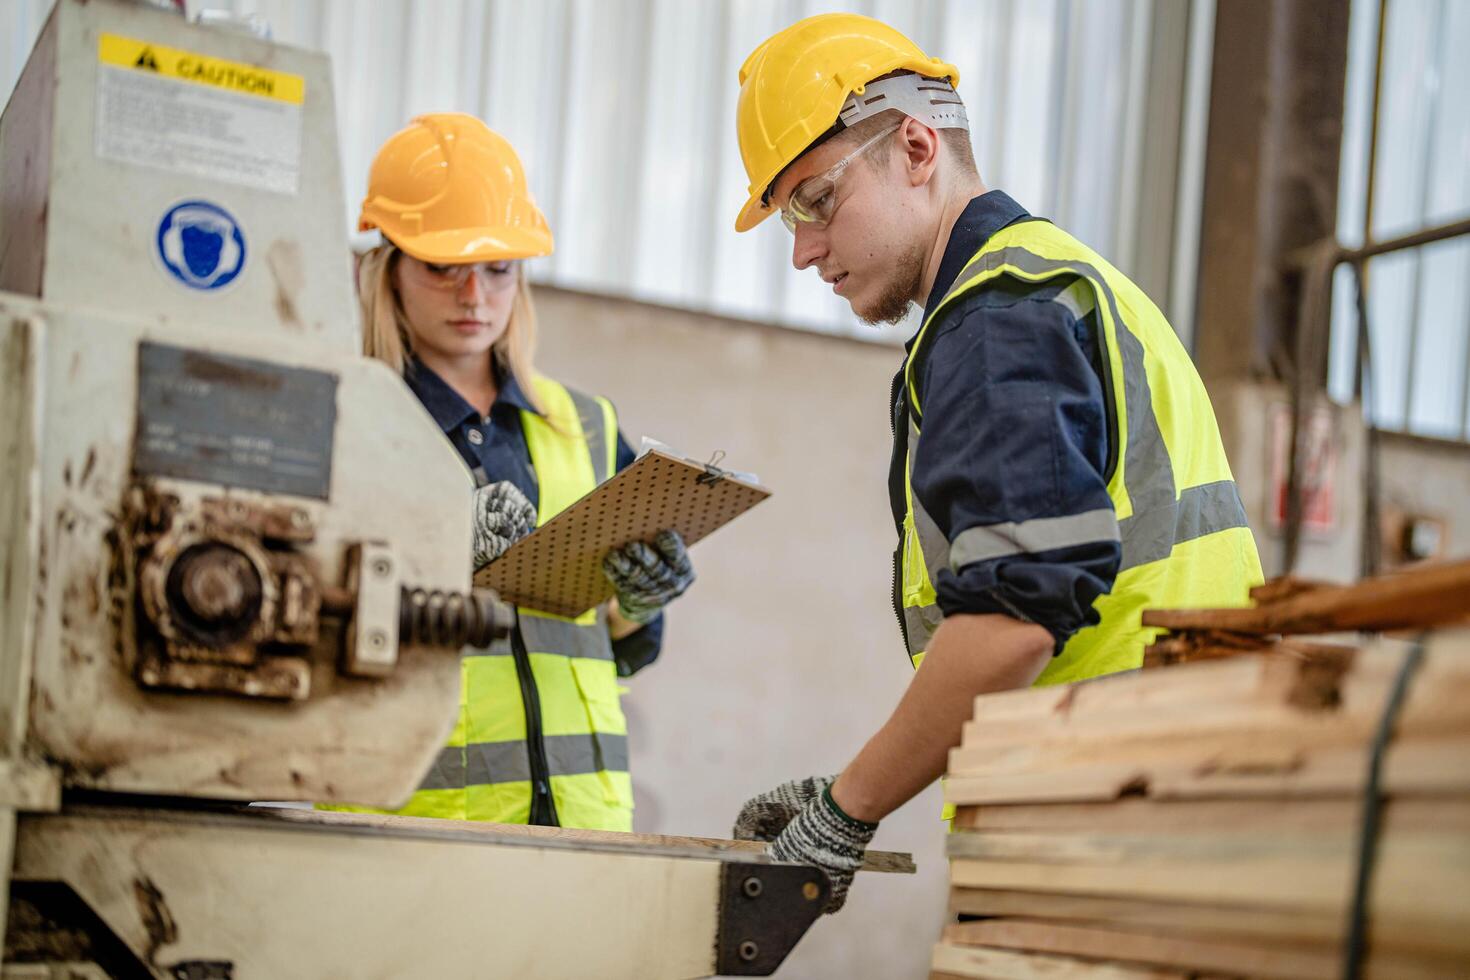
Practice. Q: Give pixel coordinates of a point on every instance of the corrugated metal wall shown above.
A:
(624, 113)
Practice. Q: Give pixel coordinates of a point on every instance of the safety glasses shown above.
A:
(494, 277)
(815, 199)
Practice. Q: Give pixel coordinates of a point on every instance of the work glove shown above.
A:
(808, 827)
(647, 577)
(502, 516)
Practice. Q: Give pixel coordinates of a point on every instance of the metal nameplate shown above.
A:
(234, 421)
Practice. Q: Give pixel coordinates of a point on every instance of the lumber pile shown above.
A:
(1207, 819)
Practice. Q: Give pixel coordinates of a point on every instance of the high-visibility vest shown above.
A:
(485, 770)
(1176, 509)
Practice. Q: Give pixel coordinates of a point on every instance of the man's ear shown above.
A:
(920, 148)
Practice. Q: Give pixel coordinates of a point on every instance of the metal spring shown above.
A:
(453, 619)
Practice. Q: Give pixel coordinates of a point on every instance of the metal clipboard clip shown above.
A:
(712, 474)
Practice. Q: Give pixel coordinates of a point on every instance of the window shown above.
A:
(1418, 299)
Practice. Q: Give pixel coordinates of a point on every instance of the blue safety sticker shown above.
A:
(201, 245)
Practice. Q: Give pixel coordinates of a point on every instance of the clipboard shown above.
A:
(558, 567)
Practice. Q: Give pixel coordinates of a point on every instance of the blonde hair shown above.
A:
(386, 336)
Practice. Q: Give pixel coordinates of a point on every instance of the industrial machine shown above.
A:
(214, 591)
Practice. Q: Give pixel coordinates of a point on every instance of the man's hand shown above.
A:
(809, 828)
(502, 516)
(764, 817)
(648, 577)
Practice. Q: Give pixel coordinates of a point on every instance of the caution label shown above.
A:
(193, 114)
(127, 52)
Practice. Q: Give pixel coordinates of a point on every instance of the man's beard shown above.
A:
(892, 304)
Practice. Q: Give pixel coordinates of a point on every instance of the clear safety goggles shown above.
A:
(815, 199)
(494, 277)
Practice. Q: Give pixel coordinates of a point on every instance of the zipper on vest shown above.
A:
(899, 459)
(543, 807)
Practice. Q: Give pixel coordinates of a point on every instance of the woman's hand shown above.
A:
(648, 577)
(502, 516)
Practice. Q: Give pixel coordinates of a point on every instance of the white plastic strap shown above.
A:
(932, 101)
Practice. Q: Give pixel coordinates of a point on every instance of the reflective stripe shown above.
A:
(1029, 537)
(1078, 298)
(447, 771)
(932, 542)
(544, 634)
(571, 755)
(920, 623)
(1202, 510)
(594, 429)
(1148, 473)
(489, 763)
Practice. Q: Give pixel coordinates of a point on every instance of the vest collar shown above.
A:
(982, 218)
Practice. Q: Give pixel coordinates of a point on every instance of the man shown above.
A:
(1056, 464)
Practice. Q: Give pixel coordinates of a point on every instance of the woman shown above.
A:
(540, 737)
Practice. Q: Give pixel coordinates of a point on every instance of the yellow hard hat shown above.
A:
(448, 189)
(793, 86)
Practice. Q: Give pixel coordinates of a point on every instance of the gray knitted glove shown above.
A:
(648, 577)
(812, 830)
(502, 516)
(764, 817)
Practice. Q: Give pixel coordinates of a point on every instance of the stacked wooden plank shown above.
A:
(1206, 819)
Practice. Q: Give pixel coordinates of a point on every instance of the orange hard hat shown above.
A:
(449, 189)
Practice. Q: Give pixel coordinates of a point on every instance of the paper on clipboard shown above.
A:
(558, 568)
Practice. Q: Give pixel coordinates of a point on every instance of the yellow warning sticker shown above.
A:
(166, 62)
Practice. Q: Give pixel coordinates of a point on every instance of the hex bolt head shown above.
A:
(749, 950)
(752, 887)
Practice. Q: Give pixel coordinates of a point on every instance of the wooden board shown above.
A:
(1240, 922)
(1281, 963)
(1134, 697)
(1226, 770)
(1207, 734)
(952, 962)
(1410, 599)
(1141, 815)
(1411, 878)
(1259, 925)
(1193, 646)
(892, 862)
(558, 568)
(1448, 850)
(1186, 952)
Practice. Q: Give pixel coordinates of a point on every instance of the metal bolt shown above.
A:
(749, 951)
(381, 567)
(752, 887)
(810, 891)
(377, 639)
